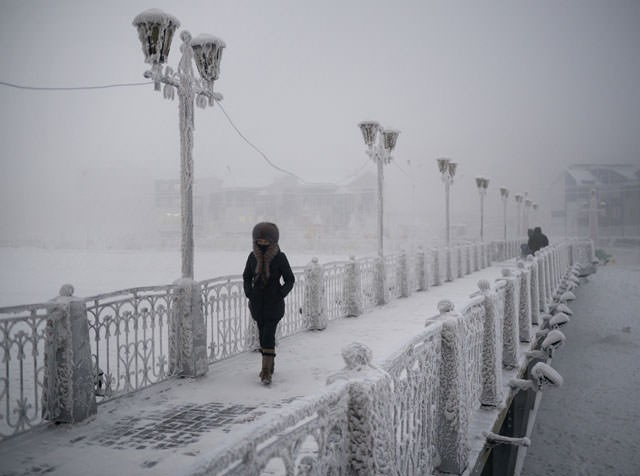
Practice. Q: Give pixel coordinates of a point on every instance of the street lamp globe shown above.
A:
(504, 192)
(482, 183)
(452, 169)
(389, 139)
(369, 132)
(443, 165)
(155, 30)
(207, 53)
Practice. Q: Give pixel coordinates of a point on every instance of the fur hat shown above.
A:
(266, 231)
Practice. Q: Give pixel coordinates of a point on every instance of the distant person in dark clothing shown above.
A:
(544, 241)
(266, 266)
(537, 240)
(525, 248)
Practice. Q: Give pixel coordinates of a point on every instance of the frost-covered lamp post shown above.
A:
(482, 183)
(504, 195)
(534, 213)
(519, 198)
(155, 30)
(447, 170)
(380, 143)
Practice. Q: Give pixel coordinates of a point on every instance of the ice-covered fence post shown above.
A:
(187, 338)
(459, 256)
(353, 289)
(542, 302)
(535, 298)
(552, 277)
(314, 296)
(487, 255)
(510, 337)
(476, 258)
(491, 348)
(68, 392)
(469, 253)
(422, 277)
(524, 313)
(571, 252)
(453, 416)
(436, 267)
(371, 403)
(403, 275)
(556, 265)
(380, 282)
(547, 278)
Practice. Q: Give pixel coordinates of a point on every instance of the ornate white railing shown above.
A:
(295, 319)
(334, 289)
(24, 336)
(391, 272)
(309, 436)
(228, 324)
(415, 371)
(135, 333)
(130, 338)
(368, 278)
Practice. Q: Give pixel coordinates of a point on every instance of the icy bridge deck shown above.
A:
(172, 427)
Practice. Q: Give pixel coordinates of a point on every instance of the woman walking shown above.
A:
(267, 280)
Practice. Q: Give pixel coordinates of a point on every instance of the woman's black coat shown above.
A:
(266, 301)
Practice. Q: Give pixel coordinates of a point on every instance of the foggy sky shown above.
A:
(515, 91)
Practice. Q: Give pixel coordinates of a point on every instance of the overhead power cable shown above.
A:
(280, 169)
(73, 88)
(145, 83)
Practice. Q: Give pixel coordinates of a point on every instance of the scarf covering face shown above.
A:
(264, 260)
(264, 254)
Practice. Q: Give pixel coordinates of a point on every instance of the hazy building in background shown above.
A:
(617, 188)
(310, 216)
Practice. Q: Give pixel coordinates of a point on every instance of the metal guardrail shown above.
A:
(130, 331)
(24, 336)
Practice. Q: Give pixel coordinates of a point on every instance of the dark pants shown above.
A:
(267, 332)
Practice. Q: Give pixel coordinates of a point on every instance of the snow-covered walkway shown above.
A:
(170, 427)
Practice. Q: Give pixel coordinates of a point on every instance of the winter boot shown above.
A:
(268, 356)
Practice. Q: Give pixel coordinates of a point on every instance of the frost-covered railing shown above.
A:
(230, 330)
(411, 415)
(334, 289)
(23, 330)
(309, 436)
(367, 275)
(391, 264)
(295, 320)
(227, 321)
(415, 373)
(129, 332)
(141, 336)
